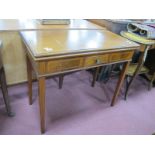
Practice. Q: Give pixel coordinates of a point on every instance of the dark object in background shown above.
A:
(150, 62)
(113, 70)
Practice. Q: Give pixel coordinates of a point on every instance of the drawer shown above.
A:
(120, 56)
(96, 60)
(61, 65)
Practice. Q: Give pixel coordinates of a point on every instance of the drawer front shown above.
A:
(59, 65)
(96, 60)
(120, 56)
(69, 64)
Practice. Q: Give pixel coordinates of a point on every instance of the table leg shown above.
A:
(95, 76)
(5, 92)
(41, 89)
(29, 76)
(120, 82)
(61, 78)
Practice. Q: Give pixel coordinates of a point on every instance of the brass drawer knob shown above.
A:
(98, 61)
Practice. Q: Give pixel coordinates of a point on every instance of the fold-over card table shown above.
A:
(56, 52)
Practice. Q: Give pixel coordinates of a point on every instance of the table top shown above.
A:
(33, 24)
(70, 42)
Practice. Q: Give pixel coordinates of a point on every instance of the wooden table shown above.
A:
(56, 52)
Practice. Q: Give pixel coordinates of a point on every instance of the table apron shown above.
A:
(66, 65)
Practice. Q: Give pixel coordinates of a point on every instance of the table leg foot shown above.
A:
(11, 114)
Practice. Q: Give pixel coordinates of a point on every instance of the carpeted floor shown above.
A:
(80, 109)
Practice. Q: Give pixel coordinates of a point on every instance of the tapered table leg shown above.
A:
(5, 92)
(61, 78)
(29, 77)
(41, 92)
(120, 82)
(95, 76)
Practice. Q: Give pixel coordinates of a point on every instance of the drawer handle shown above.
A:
(98, 61)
